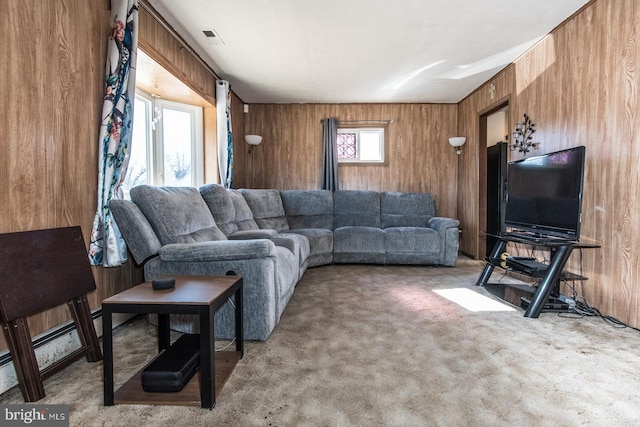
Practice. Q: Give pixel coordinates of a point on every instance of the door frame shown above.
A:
(482, 170)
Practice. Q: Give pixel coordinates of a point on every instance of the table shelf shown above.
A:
(131, 392)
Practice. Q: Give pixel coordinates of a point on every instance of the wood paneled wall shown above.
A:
(580, 86)
(165, 49)
(51, 97)
(419, 157)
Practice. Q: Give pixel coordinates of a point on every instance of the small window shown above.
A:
(360, 145)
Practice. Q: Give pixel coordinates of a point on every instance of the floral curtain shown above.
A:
(225, 134)
(107, 246)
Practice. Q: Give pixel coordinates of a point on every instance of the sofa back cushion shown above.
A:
(267, 209)
(406, 209)
(177, 214)
(244, 216)
(308, 208)
(221, 206)
(229, 209)
(356, 208)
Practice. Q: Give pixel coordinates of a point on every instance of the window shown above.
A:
(360, 145)
(167, 144)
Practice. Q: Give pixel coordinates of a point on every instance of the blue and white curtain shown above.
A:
(225, 134)
(107, 246)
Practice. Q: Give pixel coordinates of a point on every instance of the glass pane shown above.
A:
(370, 145)
(346, 145)
(137, 171)
(176, 135)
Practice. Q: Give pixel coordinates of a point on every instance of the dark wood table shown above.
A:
(201, 295)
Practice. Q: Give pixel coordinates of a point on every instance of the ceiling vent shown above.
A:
(212, 37)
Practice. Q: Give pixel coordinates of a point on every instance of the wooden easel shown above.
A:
(40, 270)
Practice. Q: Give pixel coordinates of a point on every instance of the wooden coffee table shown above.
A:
(201, 295)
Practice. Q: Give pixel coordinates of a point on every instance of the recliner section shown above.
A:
(271, 237)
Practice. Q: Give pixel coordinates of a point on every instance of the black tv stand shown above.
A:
(549, 277)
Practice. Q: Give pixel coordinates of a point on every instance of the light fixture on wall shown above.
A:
(523, 136)
(253, 140)
(457, 142)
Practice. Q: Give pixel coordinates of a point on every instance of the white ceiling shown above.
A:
(338, 51)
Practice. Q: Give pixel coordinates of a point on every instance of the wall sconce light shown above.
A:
(253, 140)
(457, 142)
(523, 136)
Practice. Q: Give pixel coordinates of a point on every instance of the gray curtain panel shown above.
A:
(329, 154)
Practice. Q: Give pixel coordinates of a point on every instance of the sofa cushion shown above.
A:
(406, 209)
(221, 206)
(266, 207)
(412, 240)
(412, 245)
(244, 216)
(229, 209)
(356, 208)
(297, 244)
(177, 214)
(308, 208)
(358, 245)
(320, 240)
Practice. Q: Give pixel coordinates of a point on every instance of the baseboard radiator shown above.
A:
(50, 346)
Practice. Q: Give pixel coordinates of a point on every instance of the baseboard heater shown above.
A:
(49, 336)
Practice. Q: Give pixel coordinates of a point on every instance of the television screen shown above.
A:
(544, 194)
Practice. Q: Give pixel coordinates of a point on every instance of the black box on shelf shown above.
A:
(174, 367)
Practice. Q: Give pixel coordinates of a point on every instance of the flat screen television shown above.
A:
(544, 194)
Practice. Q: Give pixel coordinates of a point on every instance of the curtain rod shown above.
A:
(173, 33)
(389, 121)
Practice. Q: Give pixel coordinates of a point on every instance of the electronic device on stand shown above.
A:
(543, 208)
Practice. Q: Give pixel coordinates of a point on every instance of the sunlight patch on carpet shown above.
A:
(472, 301)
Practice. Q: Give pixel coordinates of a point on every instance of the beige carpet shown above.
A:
(376, 346)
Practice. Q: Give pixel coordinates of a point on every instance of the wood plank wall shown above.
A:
(419, 157)
(163, 47)
(580, 86)
(51, 97)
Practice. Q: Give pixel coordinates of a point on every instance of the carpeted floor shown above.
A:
(376, 346)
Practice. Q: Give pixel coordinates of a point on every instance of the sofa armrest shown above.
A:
(261, 233)
(441, 224)
(448, 229)
(135, 229)
(218, 250)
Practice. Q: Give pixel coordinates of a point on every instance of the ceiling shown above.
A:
(361, 51)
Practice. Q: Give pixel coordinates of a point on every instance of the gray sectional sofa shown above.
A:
(270, 237)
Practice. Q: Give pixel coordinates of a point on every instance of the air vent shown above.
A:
(212, 37)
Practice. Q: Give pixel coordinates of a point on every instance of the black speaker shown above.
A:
(164, 283)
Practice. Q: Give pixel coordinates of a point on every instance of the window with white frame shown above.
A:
(167, 146)
(361, 145)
